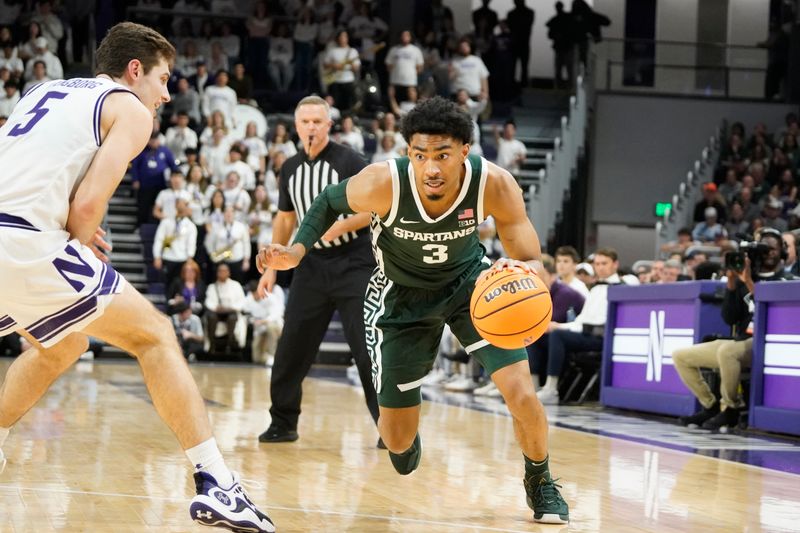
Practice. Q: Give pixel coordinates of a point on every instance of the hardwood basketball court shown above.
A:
(94, 456)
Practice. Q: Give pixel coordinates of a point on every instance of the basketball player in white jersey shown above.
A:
(63, 151)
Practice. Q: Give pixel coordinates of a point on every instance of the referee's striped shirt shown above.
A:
(303, 179)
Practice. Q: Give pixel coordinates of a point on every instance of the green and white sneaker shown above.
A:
(546, 502)
(408, 461)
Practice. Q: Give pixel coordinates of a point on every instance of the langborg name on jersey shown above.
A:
(78, 83)
(401, 233)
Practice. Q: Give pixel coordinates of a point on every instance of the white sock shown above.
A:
(535, 379)
(3, 435)
(206, 457)
(551, 383)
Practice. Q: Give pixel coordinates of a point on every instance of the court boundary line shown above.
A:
(385, 518)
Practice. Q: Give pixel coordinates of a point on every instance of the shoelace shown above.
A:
(548, 490)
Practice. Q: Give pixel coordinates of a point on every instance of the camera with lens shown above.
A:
(755, 250)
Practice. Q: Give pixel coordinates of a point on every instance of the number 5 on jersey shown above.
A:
(438, 253)
(38, 111)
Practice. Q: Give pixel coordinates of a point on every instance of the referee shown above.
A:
(333, 276)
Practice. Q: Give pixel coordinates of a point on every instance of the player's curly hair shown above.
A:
(437, 116)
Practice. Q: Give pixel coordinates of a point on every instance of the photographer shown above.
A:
(753, 263)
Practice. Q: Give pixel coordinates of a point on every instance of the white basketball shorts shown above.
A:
(49, 285)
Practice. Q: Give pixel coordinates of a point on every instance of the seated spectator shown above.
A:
(236, 196)
(180, 136)
(229, 243)
(750, 208)
(186, 100)
(189, 330)
(10, 60)
(387, 150)
(350, 135)
(187, 62)
(51, 62)
(217, 59)
(736, 224)
(760, 186)
(693, 259)
(684, 241)
(786, 191)
(305, 33)
(643, 274)
(9, 98)
(236, 164)
(730, 188)
(389, 127)
(40, 75)
(673, 270)
(567, 304)
(711, 198)
(242, 84)
(710, 230)
(266, 317)
(202, 79)
(401, 108)
(224, 303)
(213, 156)
(231, 42)
(771, 215)
(728, 355)
(511, 152)
(215, 212)
(733, 154)
(259, 219)
(791, 265)
(585, 274)
(656, 271)
(566, 267)
(777, 165)
(175, 242)
(281, 141)
(256, 148)
(333, 111)
(188, 288)
(585, 333)
(220, 97)
(165, 204)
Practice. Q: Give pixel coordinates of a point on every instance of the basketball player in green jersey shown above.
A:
(425, 211)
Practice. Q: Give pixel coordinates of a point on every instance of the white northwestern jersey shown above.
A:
(46, 147)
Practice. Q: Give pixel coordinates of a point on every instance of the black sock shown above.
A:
(537, 470)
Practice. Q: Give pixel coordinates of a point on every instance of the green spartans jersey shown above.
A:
(414, 250)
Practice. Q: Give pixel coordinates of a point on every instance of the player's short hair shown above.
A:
(127, 41)
(314, 100)
(570, 252)
(437, 116)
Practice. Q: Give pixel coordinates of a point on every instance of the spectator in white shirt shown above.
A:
(187, 99)
(39, 76)
(567, 260)
(585, 333)
(217, 59)
(266, 316)
(510, 151)
(281, 142)
(387, 150)
(236, 196)
(186, 63)
(469, 72)
(213, 121)
(220, 97)
(229, 243)
(50, 24)
(213, 156)
(231, 43)
(181, 136)
(175, 242)
(196, 186)
(224, 303)
(389, 127)
(305, 33)
(474, 108)
(350, 135)
(165, 205)
(256, 148)
(404, 62)
(51, 62)
(281, 53)
(9, 98)
(10, 60)
(342, 63)
(247, 178)
(189, 330)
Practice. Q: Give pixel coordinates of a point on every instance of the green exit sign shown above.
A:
(661, 208)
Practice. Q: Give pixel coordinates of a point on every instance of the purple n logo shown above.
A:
(81, 268)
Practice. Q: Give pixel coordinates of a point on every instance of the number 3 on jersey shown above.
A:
(438, 254)
(38, 111)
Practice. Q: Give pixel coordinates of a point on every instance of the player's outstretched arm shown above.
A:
(503, 201)
(126, 125)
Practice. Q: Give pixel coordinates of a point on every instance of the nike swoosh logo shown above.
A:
(404, 221)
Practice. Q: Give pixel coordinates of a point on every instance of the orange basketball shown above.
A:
(510, 308)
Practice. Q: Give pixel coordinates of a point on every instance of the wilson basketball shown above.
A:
(510, 308)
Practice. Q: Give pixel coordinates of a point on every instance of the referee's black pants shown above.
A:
(326, 280)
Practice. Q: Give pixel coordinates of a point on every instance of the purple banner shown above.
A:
(781, 391)
(634, 376)
(783, 318)
(637, 314)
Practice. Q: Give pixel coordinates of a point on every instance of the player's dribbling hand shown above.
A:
(99, 246)
(279, 257)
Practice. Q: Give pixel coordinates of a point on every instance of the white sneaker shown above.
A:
(226, 508)
(494, 393)
(435, 377)
(462, 384)
(486, 389)
(352, 375)
(548, 396)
